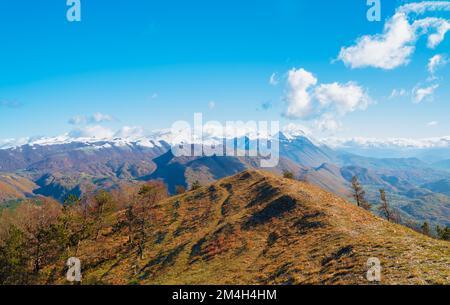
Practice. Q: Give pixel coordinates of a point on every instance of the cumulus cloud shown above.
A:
(91, 119)
(344, 98)
(299, 98)
(436, 62)
(433, 123)
(326, 103)
(388, 50)
(396, 44)
(96, 131)
(422, 93)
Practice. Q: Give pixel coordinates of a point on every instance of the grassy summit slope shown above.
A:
(257, 228)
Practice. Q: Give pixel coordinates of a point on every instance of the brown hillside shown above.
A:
(15, 187)
(257, 228)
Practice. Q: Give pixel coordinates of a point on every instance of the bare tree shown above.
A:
(179, 189)
(39, 224)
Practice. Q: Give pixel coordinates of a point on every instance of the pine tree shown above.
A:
(443, 233)
(103, 204)
(359, 194)
(66, 225)
(426, 229)
(82, 223)
(384, 208)
(71, 200)
(196, 185)
(288, 175)
(14, 258)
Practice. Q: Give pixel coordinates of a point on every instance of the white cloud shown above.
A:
(398, 93)
(432, 123)
(273, 79)
(9, 143)
(387, 51)
(211, 105)
(424, 6)
(326, 102)
(77, 120)
(437, 26)
(344, 98)
(96, 131)
(394, 47)
(100, 117)
(130, 132)
(91, 119)
(298, 99)
(436, 62)
(327, 123)
(420, 94)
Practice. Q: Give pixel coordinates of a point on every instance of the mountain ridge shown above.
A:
(258, 228)
(64, 169)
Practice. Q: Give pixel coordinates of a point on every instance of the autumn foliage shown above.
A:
(38, 237)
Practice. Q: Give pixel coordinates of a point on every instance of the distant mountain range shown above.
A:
(57, 167)
(427, 149)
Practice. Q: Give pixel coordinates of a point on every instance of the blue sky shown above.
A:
(150, 63)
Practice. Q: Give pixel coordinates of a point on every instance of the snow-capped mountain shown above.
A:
(70, 164)
(213, 135)
(100, 142)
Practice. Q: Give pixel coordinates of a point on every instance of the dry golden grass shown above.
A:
(257, 228)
